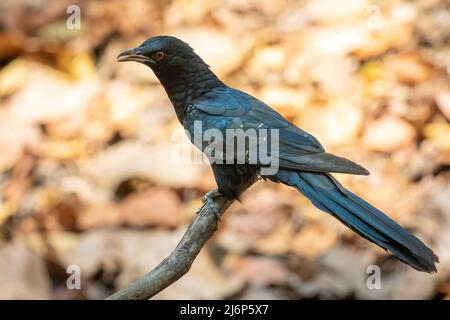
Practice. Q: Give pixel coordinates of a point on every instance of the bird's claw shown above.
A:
(212, 205)
(208, 200)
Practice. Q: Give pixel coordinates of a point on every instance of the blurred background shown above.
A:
(87, 181)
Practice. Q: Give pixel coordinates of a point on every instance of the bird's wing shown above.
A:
(233, 109)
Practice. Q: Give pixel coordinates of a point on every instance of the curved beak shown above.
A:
(133, 55)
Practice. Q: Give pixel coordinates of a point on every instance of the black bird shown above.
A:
(197, 94)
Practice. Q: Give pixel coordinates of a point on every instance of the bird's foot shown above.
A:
(208, 199)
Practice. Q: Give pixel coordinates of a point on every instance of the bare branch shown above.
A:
(180, 260)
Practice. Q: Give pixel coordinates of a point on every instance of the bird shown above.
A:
(198, 95)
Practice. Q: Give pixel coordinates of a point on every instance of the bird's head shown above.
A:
(161, 53)
(182, 73)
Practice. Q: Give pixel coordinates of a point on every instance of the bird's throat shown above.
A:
(184, 85)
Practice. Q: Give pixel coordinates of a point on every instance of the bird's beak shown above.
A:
(133, 55)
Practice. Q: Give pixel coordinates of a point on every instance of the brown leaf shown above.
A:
(23, 274)
(388, 133)
(443, 102)
(409, 68)
(156, 206)
(265, 211)
(259, 270)
(312, 241)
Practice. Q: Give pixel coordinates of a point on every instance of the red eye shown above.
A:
(159, 55)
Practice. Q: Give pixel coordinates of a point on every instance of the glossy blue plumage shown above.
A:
(198, 95)
(328, 195)
(305, 166)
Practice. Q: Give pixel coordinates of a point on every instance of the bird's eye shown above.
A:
(159, 55)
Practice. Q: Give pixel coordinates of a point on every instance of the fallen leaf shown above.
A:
(388, 134)
(439, 134)
(160, 207)
(409, 68)
(313, 241)
(443, 102)
(259, 270)
(23, 273)
(131, 159)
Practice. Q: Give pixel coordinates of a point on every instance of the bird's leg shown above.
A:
(208, 199)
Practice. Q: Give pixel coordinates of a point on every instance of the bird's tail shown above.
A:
(330, 196)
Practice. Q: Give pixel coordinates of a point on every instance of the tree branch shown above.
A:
(180, 260)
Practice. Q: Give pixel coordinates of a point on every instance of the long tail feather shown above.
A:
(328, 195)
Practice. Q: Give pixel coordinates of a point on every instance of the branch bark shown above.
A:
(180, 260)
